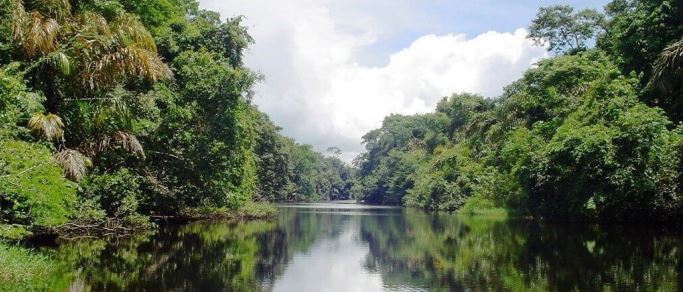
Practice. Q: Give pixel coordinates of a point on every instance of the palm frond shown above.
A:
(57, 8)
(146, 63)
(668, 66)
(49, 126)
(39, 35)
(157, 184)
(113, 107)
(125, 62)
(91, 23)
(19, 19)
(130, 31)
(124, 140)
(60, 61)
(74, 163)
(113, 51)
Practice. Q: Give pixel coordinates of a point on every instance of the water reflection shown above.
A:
(353, 248)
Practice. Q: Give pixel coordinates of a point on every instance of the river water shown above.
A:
(351, 247)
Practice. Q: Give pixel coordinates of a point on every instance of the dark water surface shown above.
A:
(349, 247)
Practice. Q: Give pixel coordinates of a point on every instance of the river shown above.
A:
(350, 247)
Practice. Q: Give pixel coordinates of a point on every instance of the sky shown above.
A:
(335, 68)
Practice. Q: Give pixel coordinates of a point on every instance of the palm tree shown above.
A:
(104, 52)
(49, 126)
(37, 31)
(74, 163)
(668, 69)
(111, 52)
(84, 54)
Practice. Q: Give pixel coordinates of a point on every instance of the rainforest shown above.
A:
(135, 120)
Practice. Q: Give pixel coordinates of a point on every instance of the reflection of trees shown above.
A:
(409, 248)
(202, 256)
(296, 231)
(604, 257)
(480, 254)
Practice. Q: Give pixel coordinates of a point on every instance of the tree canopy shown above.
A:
(588, 134)
(125, 109)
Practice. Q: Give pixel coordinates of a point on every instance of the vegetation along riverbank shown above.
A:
(119, 111)
(113, 113)
(116, 113)
(590, 133)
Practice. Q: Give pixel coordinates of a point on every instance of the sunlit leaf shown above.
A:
(49, 126)
(61, 62)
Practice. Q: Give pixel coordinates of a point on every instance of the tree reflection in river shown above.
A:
(476, 254)
(340, 249)
(198, 257)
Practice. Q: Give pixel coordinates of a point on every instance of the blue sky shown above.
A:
(335, 68)
(469, 17)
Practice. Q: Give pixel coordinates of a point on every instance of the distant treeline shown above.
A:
(591, 133)
(117, 110)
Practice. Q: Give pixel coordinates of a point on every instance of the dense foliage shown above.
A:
(587, 134)
(35, 193)
(124, 109)
(288, 171)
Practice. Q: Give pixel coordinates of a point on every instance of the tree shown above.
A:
(272, 161)
(570, 140)
(17, 103)
(90, 84)
(667, 73)
(641, 38)
(564, 30)
(639, 30)
(71, 53)
(334, 150)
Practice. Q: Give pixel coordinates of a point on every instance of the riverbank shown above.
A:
(479, 206)
(24, 268)
(412, 249)
(248, 211)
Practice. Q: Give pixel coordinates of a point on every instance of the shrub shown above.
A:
(16, 103)
(33, 190)
(480, 205)
(116, 195)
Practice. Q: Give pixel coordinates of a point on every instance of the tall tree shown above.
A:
(563, 29)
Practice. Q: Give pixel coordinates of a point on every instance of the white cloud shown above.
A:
(337, 261)
(318, 92)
